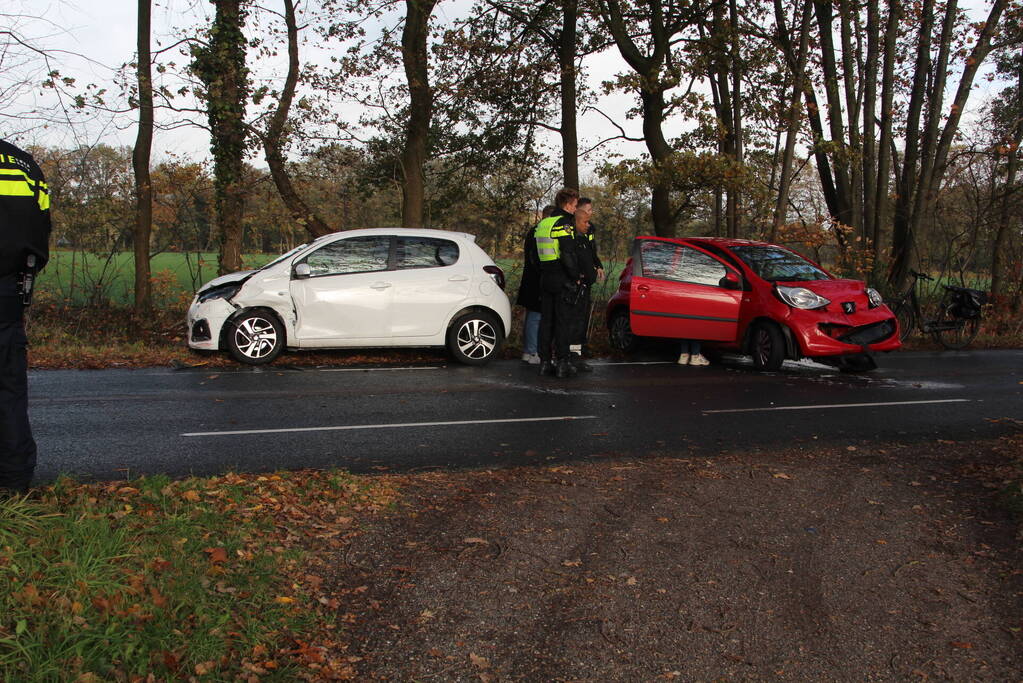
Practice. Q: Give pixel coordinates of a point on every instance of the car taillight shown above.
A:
(496, 273)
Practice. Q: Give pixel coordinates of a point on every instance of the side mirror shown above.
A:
(731, 280)
(302, 271)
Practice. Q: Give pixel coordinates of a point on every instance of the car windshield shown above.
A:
(282, 257)
(778, 265)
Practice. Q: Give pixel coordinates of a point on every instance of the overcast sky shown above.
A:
(97, 36)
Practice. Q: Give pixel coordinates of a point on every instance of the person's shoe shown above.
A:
(698, 359)
(579, 364)
(531, 358)
(565, 369)
(683, 359)
(546, 368)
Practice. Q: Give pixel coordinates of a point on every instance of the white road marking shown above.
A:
(563, 418)
(838, 405)
(422, 367)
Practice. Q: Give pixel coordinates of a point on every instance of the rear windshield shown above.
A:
(778, 265)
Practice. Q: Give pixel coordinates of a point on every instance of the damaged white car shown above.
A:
(381, 287)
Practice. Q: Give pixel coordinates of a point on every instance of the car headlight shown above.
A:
(874, 297)
(800, 297)
(221, 292)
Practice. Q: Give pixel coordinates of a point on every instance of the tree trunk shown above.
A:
(734, 203)
(413, 157)
(140, 158)
(276, 136)
(869, 172)
(566, 62)
(843, 205)
(884, 160)
(652, 97)
(903, 256)
(850, 79)
(660, 152)
(793, 119)
(221, 67)
(1006, 213)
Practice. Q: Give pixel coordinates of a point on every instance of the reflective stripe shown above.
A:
(15, 188)
(16, 183)
(44, 197)
(547, 247)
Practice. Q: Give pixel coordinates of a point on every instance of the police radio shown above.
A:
(28, 279)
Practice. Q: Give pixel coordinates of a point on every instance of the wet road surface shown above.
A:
(115, 423)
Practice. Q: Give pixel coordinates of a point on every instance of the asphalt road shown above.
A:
(115, 423)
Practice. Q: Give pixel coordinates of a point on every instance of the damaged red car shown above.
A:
(748, 297)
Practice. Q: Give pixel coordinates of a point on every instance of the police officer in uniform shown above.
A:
(24, 238)
(559, 284)
(591, 270)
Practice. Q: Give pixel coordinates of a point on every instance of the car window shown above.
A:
(700, 268)
(353, 255)
(660, 260)
(425, 252)
(667, 261)
(779, 265)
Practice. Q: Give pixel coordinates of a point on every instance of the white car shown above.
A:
(382, 287)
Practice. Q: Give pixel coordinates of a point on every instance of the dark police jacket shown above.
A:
(24, 223)
(586, 255)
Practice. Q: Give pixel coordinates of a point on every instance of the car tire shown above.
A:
(255, 337)
(475, 338)
(767, 346)
(619, 333)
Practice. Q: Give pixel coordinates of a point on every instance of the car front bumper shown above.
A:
(205, 321)
(842, 336)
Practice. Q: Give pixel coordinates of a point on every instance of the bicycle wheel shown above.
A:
(950, 330)
(906, 316)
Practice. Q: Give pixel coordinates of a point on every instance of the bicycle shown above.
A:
(956, 321)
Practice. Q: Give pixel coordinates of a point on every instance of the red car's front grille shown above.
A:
(862, 335)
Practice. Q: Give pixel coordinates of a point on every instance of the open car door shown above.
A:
(682, 292)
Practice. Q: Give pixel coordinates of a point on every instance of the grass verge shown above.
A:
(215, 578)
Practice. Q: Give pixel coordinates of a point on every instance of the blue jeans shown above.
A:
(531, 332)
(690, 346)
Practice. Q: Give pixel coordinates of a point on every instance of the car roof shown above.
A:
(401, 232)
(717, 241)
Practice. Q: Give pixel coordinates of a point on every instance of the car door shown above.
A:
(347, 294)
(431, 280)
(682, 292)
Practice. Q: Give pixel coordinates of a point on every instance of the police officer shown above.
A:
(591, 270)
(559, 283)
(24, 238)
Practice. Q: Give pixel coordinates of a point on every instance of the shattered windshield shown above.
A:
(779, 265)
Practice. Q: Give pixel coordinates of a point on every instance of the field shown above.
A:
(79, 279)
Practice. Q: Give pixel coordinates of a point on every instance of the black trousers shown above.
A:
(557, 319)
(582, 321)
(17, 447)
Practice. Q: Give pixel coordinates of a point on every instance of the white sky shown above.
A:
(103, 31)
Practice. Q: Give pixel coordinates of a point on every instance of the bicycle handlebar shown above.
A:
(921, 276)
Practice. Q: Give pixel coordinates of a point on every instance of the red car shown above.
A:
(748, 297)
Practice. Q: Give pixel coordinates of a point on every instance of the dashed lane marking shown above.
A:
(837, 405)
(397, 425)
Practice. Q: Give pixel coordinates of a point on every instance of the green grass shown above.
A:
(79, 278)
(178, 579)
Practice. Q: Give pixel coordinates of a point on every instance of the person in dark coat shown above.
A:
(24, 236)
(559, 285)
(529, 293)
(592, 271)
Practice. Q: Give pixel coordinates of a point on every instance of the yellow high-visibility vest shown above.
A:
(547, 234)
